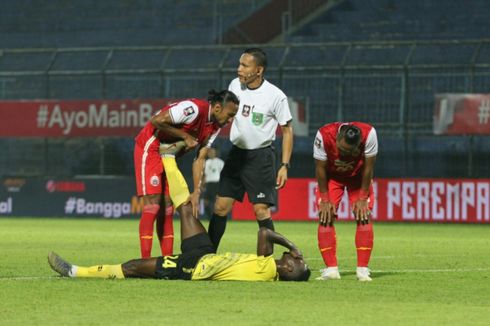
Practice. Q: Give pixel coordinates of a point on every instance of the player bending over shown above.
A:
(345, 155)
(199, 261)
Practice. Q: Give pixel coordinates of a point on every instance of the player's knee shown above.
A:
(222, 207)
(185, 211)
(152, 199)
(262, 211)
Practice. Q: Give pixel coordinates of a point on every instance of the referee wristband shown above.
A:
(285, 164)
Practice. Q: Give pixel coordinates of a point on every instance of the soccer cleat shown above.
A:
(329, 273)
(363, 274)
(59, 265)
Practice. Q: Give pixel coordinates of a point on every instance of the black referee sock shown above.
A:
(267, 223)
(216, 229)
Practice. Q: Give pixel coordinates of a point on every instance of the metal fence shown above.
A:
(389, 84)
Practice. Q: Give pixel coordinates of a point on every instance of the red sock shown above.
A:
(146, 229)
(167, 236)
(327, 243)
(364, 244)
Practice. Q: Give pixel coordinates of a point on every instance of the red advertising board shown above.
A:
(82, 118)
(92, 118)
(462, 114)
(397, 200)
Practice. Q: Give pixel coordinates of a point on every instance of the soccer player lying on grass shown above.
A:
(198, 260)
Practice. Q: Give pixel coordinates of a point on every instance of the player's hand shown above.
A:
(361, 211)
(296, 253)
(194, 199)
(190, 142)
(326, 212)
(282, 177)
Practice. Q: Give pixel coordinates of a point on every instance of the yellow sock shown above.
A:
(179, 192)
(101, 271)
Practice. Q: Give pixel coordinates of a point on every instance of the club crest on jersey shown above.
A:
(246, 110)
(154, 181)
(257, 118)
(188, 111)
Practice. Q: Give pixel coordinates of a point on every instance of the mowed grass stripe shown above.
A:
(422, 275)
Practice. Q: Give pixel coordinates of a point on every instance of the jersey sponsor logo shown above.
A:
(246, 110)
(188, 111)
(342, 166)
(260, 195)
(154, 181)
(257, 118)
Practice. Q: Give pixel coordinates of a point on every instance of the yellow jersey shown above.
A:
(235, 267)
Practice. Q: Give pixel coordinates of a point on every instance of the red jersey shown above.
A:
(344, 167)
(191, 115)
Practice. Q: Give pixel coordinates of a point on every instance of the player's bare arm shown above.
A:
(361, 210)
(287, 149)
(163, 122)
(266, 239)
(326, 208)
(197, 176)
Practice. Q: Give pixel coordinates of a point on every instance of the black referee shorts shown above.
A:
(251, 171)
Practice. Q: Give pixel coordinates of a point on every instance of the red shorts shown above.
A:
(149, 172)
(336, 192)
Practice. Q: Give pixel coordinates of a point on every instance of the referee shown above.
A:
(250, 166)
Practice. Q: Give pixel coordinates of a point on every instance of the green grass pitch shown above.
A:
(428, 274)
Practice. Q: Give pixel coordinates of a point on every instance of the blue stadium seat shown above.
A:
(399, 20)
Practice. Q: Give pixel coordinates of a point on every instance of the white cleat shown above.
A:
(363, 274)
(329, 273)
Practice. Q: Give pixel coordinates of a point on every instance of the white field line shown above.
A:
(402, 271)
(437, 270)
(353, 257)
(27, 278)
(389, 257)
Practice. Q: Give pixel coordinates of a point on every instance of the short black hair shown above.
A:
(222, 97)
(297, 275)
(350, 133)
(304, 275)
(259, 56)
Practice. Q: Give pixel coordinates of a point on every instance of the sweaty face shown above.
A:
(248, 70)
